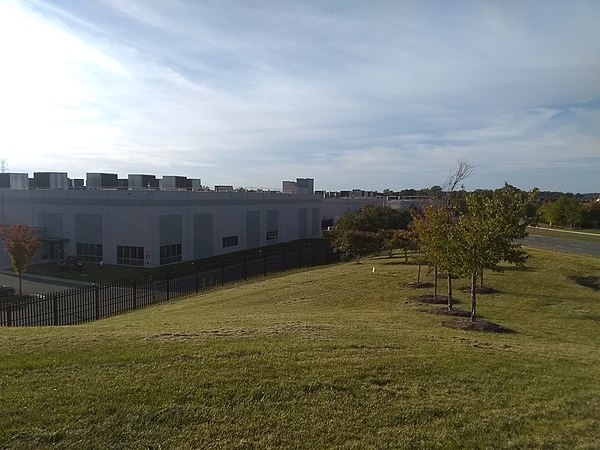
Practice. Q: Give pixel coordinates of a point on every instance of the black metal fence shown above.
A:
(95, 302)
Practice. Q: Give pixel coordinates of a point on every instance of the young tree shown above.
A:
(20, 244)
(362, 232)
(393, 239)
(357, 243)
(490, 231)
(438, 238)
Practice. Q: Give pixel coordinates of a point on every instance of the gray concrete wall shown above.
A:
(150, 218)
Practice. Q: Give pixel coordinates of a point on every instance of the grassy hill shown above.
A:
(335, 356)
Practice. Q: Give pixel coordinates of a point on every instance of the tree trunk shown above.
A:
(481, 278)
(435, 282)
(419, 274)
(449, 292)
(473, 297)
(20, 285)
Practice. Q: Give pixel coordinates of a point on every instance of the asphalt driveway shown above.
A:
(33, 284)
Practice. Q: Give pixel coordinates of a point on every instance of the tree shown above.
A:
(357, 243)
(437, 234)
(20, 244)
(455, 178)
(393, 239)
(565, 211)
(490, 231)
(360, 233)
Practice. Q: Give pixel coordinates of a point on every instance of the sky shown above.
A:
(355, 94)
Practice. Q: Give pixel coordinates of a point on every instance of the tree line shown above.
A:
(462, 236)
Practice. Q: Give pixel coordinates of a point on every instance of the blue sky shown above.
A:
(372, 95)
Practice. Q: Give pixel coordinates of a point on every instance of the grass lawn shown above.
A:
(332, 357)
(580, 235)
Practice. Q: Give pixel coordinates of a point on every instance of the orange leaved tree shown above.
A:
(20, 244)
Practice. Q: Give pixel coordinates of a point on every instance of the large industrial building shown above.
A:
(155, 225)
(147, 221)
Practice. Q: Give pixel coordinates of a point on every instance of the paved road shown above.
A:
(37, 285)
(564, 244)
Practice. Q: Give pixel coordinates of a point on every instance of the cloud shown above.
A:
(393, 93)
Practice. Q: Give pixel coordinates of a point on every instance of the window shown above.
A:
(272, 235)
(89, 252)
(170, 254)
(130, 256)
(230, 241)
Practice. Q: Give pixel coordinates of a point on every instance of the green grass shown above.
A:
(591, 236)
(333, 357)
(93, 272)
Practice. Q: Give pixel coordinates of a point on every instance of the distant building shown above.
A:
(144, 221)
(300, 186)
(102, 181)
(50, 180)
(139, 181)
(151, 228)
(14, 181)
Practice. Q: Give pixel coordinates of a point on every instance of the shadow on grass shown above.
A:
(431, 300)
(464, 323)
(590, 281)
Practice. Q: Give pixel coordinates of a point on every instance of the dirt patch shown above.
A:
(479, 325)
(430, 299)
(419, 285)
(591, 281)
(456, 312)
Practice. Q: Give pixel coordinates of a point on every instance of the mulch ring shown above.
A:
(430, 299)
(479, 290)
(457, 312)
(419, 285)
(479, 325)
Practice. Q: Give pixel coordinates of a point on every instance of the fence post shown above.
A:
(222, 273)
(97, 300)
(196, 280)
(54, 310)
(134, 294)
(168, 285)
(9, 314)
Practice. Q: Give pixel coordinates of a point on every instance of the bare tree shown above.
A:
(456, 177)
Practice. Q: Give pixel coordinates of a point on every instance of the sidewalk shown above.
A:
(567, 231)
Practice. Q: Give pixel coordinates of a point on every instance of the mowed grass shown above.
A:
(332, 357)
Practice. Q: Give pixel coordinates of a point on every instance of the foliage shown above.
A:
(356, 243)
(373, 218)
(591, 214)
(565, 211)
(436, 228)
(393, 239)
(20, 244)
(490, 232)
(363, 232)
